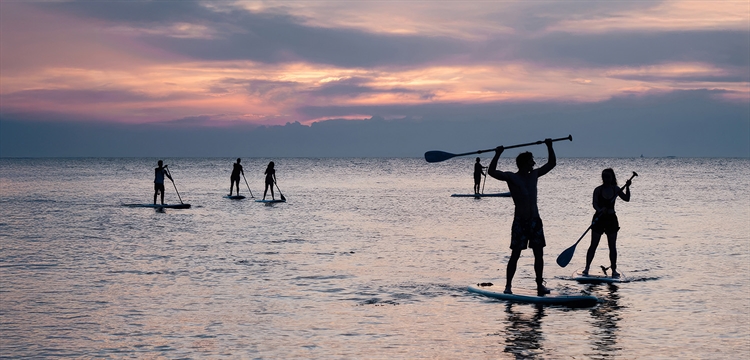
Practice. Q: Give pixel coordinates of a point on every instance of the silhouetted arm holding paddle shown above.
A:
(551, 159)
(492, 168)
(438, 156)
(166, 172)
(624, 195)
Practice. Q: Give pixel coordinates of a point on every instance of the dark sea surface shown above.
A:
(368, 258)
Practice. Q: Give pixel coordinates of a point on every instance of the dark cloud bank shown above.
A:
(685, 124)
(275, 36)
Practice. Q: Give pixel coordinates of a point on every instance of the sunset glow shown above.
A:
(174, 62)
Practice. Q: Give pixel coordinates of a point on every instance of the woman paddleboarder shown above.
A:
(270, 180)
(605, 218)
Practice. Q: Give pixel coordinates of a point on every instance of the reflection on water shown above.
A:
(524, 338)
(605, 318)
(368, 259)
(523, 332)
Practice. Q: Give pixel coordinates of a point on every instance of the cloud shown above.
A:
(689, 78)
(230, 33)
(207, 32)
(680, 123)
(225, 63)
(135, 12)
(638, 48)
(355, 86)
(87, 96)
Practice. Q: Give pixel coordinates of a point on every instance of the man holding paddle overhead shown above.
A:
(159, 173)
(527, 230)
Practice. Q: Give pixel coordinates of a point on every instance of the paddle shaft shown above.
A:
(173, 184)
(437, 156)
(485, 181)
(248, 187)
(569, 137)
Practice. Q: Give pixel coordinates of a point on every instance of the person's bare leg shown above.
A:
(612, 243)
(595, 238)
(510, 271)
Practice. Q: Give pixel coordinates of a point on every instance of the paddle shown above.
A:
(282, 195)
(248, 187)
(438, 156)
(173, 184)
(485, 181)
(564, 258)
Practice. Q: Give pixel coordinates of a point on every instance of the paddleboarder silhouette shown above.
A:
(270, 179)
(159, 174)
(478, 172)
(235, 177)
(527, 230)
(605, 218)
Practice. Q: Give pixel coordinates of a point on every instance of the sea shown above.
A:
(369, 258)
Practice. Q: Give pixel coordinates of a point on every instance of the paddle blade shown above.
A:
(564, 259)
(282, 195)
(437, 156)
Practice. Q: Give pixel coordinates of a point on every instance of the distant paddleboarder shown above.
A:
(270, 180)
(235, 177)
(159, 180)
(478, 173)
(526, 230)
(605, 218)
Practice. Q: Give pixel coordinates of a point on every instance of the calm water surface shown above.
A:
(369, 258)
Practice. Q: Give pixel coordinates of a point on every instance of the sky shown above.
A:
(373, 78)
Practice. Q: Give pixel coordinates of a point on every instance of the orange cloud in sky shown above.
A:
(58, 62)
(182, 90)
(669, 15)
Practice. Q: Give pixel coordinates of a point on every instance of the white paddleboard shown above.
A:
(160, 206)
(530, 296)
(505, 194)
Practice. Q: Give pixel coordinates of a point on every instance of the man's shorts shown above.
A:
(606, 224)
(159, 187)
(527, 234)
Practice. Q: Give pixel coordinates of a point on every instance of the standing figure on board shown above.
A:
(605, 218)
(270, 180)
(527, 230)
(235, 177)
(159, 180)
(478, 172)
